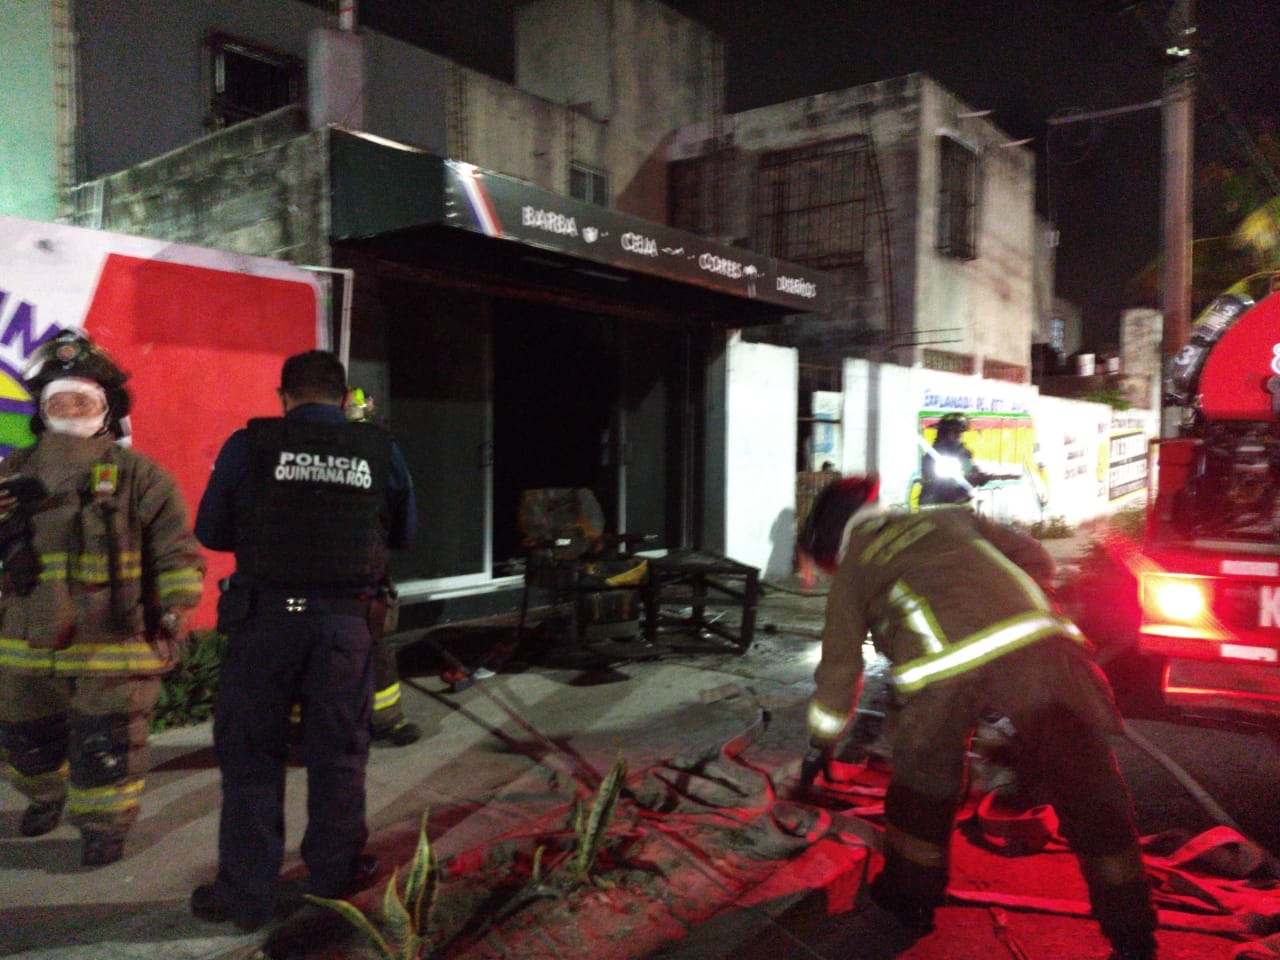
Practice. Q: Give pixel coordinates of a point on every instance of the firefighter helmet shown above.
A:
(951, 426)
(72, 354)
(822, 533)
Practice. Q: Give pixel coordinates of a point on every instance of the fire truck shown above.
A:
(1209, 568)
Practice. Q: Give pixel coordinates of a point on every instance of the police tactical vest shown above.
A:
(319, 514)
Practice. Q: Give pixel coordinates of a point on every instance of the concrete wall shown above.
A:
(1072, 459)
(257, 188)
(135, 108)
(521, 134)
(760, 444)
(910, 294)
(887, 114)
(985, 307)
(28, 131)
(638, 66)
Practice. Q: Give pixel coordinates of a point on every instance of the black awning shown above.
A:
(381, 188)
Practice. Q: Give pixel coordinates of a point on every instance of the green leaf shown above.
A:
(422, 881)
(398, 922)
(591, 835)
(352, 914)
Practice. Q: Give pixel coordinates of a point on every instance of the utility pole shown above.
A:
(1178, 109)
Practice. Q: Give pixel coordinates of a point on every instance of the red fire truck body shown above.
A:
(1209, 570)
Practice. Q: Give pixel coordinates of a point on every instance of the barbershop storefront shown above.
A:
(514, 339)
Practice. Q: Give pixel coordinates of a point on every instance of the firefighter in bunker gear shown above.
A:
(947, 471)
(389, 723)
(84, 644)
(955, 603)
(310, 504)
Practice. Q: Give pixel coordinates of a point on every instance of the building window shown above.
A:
(247, 81)
(947, 362)
(589, 185)
(812, 203)
(1000, 370)
(696, 192)
(957, 199)
(1058, 334)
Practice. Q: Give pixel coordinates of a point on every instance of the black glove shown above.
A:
(816, 760)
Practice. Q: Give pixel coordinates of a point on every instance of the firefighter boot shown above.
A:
(101, 847)
(401, 734)
(40, 818)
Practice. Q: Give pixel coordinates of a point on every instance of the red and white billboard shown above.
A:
(201, 333)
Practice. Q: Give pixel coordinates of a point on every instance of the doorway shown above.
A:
(556, 391)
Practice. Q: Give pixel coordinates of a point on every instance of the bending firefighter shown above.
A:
(954, 602)
(101, 572)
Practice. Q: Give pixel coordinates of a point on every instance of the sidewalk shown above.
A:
(472, 750)
(503, 755)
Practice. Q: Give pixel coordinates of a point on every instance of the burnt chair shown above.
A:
(585, 572)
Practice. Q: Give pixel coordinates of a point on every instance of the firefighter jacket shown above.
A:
(940, 592)
(115, 551)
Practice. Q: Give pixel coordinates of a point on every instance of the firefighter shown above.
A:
(310, 504)
(948, 473)
(389, 723)
(98, 616)
(955, 603)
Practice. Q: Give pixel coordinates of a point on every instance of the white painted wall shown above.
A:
(760, 439)
(1070, 456)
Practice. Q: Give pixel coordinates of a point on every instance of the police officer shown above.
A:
(952, 601)
(948, 473)
(310, 503)
(101, 573)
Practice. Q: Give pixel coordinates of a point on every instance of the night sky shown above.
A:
(1025, 60)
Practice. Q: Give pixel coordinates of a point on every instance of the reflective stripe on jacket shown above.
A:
(939, 592)
(112, 559)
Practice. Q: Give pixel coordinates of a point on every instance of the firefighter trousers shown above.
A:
(1062, 709)
(81, 741)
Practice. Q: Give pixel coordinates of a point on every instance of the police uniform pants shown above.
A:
(1062, 710)
(272, 661)
(80, 740)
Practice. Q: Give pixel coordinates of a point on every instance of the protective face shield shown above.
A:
(72, 355)
(74, 406)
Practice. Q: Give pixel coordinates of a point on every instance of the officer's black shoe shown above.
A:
(208, 906)
(100, 848)
(400, 735)
(364, 870)
(1134, 947)
(40, 818)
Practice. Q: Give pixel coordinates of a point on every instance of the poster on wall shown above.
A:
(201, 334)
(1127, 462)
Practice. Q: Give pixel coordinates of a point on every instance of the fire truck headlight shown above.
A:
(1181, 599)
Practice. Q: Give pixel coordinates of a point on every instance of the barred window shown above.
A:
(957, 199)
(695, 192)
(1000, 370)
(245, 80)
(812, 203)
(948, 362)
